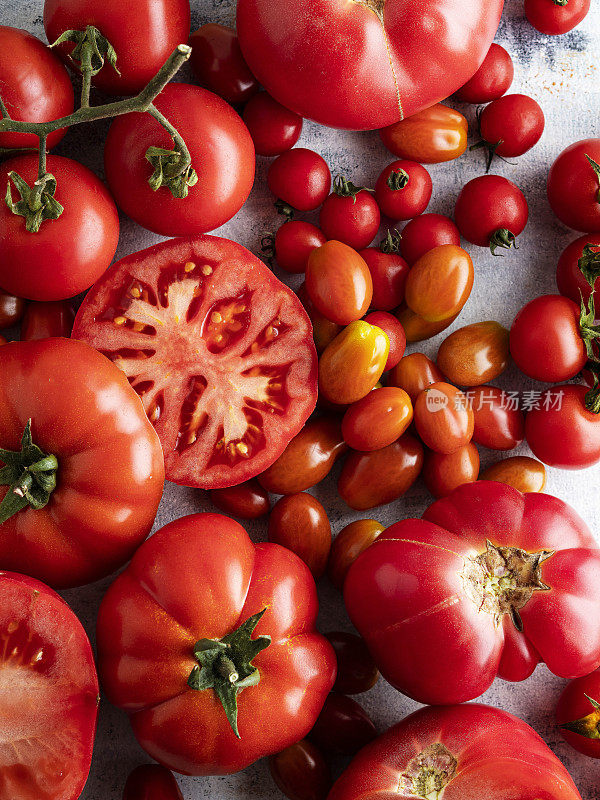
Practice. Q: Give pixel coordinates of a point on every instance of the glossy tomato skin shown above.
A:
(35, 86)
(414, 373)
(554, 20)
(443, 472)
(444, 418)
(412, 198)
(352, 364)
(300, 523)
(209, 578)
(499, 422)
(301, 772)
(573, 186)
(393, 329)
(47, 320)
(273, 127)
(417, 329)
(247, 500)
(294, 242)
(347, 546)
(474, 354)
(218, 64)
(512, 125)
(431, 136)
(521, 472)
(324, 330)
(569, 278)
(574, 706)
(352, 220)
(301, 178)
(425, 232)
(68, 254)
(440, 282)
(381, 417)
(489, 204)
(493, 78)
(356, 670)
(389, 272)
(143, 37)
(343, 726)
(151, 782)
(11, 310)
(338, 282)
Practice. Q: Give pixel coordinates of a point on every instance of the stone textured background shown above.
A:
(562, 74)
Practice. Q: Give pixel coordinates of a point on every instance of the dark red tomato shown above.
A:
(389, 272)
(491, 212)
(554, 19)
(35, 86)
(499, 422)
(393, 329)
(68, 254)
(493, 78)
(403, 190)
(343, 726)
(219, 350)
(301, 772)
(414, 373)
(443, 472)
(574, 186)
(47, 320)
(511, 125)
(339, 282)
(381, 417)
(222, 155)
(300, 178)
(356, 670)
(425, 232)
(546, 340)
(11, 310)
(247, 500)
(294, 242)
(151, 782)
(444, 418)
(49, 694)
(350, 215)
(218, 64)
(522, 472)
(347, 546)
(569, 278)
(273, 127)
(578, 714)
(143, 35)
(300, 523)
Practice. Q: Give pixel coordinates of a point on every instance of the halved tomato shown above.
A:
(219, 350)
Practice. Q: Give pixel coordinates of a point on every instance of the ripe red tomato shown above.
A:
(439, 284)
(11, 310)
(574, 186)
(356, 670)
(218, 64)
(67, 254)
(443, 472)
(247, 500)
(49, 691)
(301, 772)
(553, 18)
(300, 523)
(294, 242)
(273, 127)
(578, 714)
(569, 278)
(350, 215)
(499, 422)
(403, 190)
(493, 78)
(347, 546)
(511, 125)
(522, 472)
(225, 416)
(343, 726)
(393, 329)
(389, 272)
(47, 320)
(425, 232)
(237, 622)
(474, 354)
(444, 418)
(515, 580)
(460, 751)
(414, 373)
(381, 417)
(300, 178)
(339, 282)
(352, 364)
(151, 782)
(143, 35)
(35, 86)
(431, 136)
(491, 212)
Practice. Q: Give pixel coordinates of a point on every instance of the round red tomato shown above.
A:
(493, 78)
(143, 34)
(242, 671)
(494, 579)
(67, 254)
(294, 242)
(273, 128)
(574, 186)
(389, 272)
(464, 753)
(300, 178)
(578, 714)
(404, 56)
(47, 320)
(554, 19)
(219, 350)
(424, 233)
(151, 782)
(403, 190)
(511, 125)
(350, 215)
(491, 212)
(569, 278)
(218, 64)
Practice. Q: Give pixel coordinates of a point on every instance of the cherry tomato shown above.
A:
(389, 272)
(493, 78)
(218, 64)
(553, 18)
(352, 364)
(474, 354)
(151, 782)
(491, 212)
(511, 125)
(417, 329)
(11, 310)
(393, 329)
(444, 418)
(273, 127)
(350, 214)
(343, 726)
(443, 472)
(522, 472)
(324, 330)
(356, 670)
(574, 186)
(299, 522)
(338, 282)
(301, 772)
(47, 320)
(350, 542)
(436, 134)
(425, 232)
(247, 500)
(307, 459)
(440, 282)
(569, 278)
(300, 178)
(381, 417)
(499, 422)
(381, 476)
(414, 373)
(403, 190)
(546, 340)
(578, 714)
(294, 242)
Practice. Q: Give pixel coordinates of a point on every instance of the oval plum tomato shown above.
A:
(443, 472)
(521, 472)
(300, 523)
(350, 215)
(343, 726)
(347, 546)
(546, 339)
(474, 354)
(67, 254)
(143, 36)
(440, 282)
(417, 329)
(324, 330)
(389, 272)
(352, 364)
(493, 78)
(381, 417)
(393, 329)
(151, 782)
(511, 125)
(356, 670)
(47, 320)
(300, 178)
(491, 212)
(11, 310)
(381, 476)
(431, 136)
(554, 19)
(578, 714)
(301, 772)
(35, 86)
(444, 418)
(97, 496)
(247, 500)
(440, 591)
(273, 128)
(48, 691)
(461, 751)
(241, 661)
(414, 373)
(499, 422)
(425, 232)
(338, 282)
(574, 186)
(222, 155)
(584, 251)
(218, 64)
(403, 190)
(403, 58)
(294, 242)
(219, 350)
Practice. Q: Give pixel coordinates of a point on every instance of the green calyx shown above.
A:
(91, 50)
(285, 209)
(391, 243)
(397, 179)
(37, 203)
(30, 475)
(225, 665)
(345, 188)
(504, 239)
(596, 167)
(589, 263)
(560, 2)
(592, 397)
(589, 331)
(171, 169)
(588, 726)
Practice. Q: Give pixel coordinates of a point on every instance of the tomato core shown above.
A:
(428, 773)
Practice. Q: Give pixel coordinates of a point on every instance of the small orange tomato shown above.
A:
(474, 354)
(436, 134)
(414, 373)
(247, 500)
(300, 523)
(353, 362)
(416, 329)
(522, 472)
(378, 419)
(339, 283)
(47, 320)
(440, 282)
(324, 330)
(350, 542)
(444, 418)
(443, 472)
